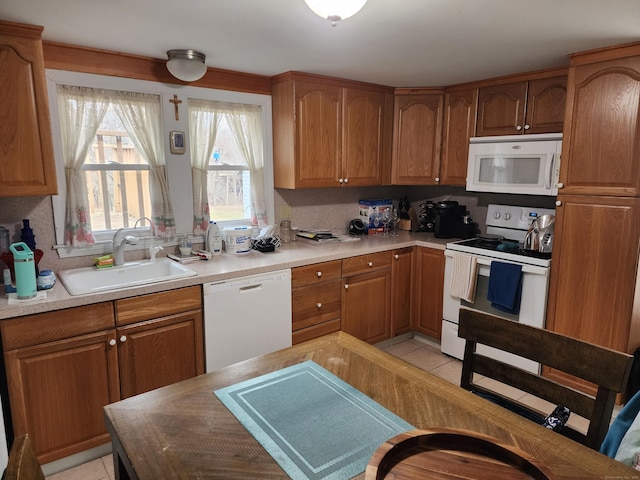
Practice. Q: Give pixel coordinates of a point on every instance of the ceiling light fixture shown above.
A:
(335, 10)
(186, 65)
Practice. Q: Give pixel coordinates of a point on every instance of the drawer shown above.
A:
(316, 273)
(315, 331)
(156, 305)
(316, 304)
(366, 263)
(56, 325)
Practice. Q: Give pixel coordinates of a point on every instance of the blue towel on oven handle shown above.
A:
(505, 286)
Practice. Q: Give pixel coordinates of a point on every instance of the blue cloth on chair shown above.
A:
(505, 286)
(620, 426)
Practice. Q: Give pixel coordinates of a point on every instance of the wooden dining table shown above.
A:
(183, 431)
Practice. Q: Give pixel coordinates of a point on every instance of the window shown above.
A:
(119, 180)
(227, 160)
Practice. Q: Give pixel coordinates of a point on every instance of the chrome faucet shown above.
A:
(120, 240)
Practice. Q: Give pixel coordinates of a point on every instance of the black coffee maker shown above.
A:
(452, 221)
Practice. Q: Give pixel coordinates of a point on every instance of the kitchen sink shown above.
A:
(80, 281)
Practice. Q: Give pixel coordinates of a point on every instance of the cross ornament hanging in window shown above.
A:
(176, 102)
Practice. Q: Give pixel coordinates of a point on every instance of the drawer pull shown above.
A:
(346, 285)
(319, 305)
(123, 338)
(112, 342)
(371, 264)
(319, 274)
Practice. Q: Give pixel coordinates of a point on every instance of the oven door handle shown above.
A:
(534, 269)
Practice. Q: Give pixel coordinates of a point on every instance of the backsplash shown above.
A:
(326, 208)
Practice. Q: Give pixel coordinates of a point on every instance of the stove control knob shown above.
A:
(507, 216)
(496, 215)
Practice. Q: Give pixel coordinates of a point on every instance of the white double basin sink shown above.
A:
(81, 281)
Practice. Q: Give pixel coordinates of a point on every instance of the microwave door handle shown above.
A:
(547, 184)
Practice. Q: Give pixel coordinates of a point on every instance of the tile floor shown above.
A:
(414, 351)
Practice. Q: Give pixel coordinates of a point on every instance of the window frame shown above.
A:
(178, 166)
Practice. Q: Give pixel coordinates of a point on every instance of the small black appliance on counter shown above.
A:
(452, 221)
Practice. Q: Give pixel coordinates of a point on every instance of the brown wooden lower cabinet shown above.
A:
(428, 291)
(401, 290)
(64, 366)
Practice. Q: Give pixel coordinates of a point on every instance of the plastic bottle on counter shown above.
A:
(25, 269)
(213, 242)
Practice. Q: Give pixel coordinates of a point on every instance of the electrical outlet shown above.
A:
(286, 212)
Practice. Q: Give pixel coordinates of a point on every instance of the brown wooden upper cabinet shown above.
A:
(27, 166)
(525, 107)
(417, 137)
(329, 132)
(460, 111)
(601, 144)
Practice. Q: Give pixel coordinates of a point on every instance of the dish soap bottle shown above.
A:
(214, 239)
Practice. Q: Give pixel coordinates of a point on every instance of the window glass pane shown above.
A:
(225, 149)
(119, 195)
(229, 193)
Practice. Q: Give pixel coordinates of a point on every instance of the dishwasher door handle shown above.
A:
(250, 287)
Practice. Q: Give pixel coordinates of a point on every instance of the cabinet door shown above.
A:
(57, 391)
(401, 291)
(428, 291)
(319, 135)
(362, 150)
(501, 109)
(159, 352)
(417, 139)
(593, 272)
(601, 144)
(546, 99)
(26, 149)
(459, 126)
(366, 306)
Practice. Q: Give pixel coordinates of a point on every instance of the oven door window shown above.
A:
(481, 303)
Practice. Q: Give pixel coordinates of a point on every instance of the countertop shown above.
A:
(225, 266)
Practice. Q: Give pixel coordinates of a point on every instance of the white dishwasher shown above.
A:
(246, 317)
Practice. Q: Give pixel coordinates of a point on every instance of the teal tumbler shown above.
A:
(24, 266)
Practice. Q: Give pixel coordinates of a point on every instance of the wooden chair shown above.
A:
(23, 463)
(607, 369)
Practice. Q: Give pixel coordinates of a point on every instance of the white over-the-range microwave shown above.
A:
(521, 164)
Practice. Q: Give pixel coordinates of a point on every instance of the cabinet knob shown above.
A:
(519, 127)
(396, 256)
(319, 305)
(371, 264)
(123, 338)
(527, 127)
(346, 180)
(346, 285)
(558, 203)
(560, 185)
(319, 274)
(437, 179)
(340, 180)
(112, 342)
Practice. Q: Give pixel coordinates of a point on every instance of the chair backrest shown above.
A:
(23, 463)
(606, 368)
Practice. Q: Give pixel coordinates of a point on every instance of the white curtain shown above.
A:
(81, 110)
(140, 115)
(204, 120)
(246, 124)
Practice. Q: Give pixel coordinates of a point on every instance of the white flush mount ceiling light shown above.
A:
(335, 10)
(186, 65)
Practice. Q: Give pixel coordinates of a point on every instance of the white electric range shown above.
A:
(507, 227)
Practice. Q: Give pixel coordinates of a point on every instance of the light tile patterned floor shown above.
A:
(416, 352)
